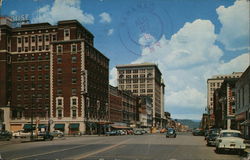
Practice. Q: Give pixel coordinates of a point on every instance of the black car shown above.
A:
(45, 136)
(5, 135)
(170, 133)
(211, 138)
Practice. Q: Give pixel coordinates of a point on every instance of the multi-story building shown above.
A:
(212, 84)
(52, 74)
(145, 111)
(115, 104)
(225, 104)
(243, 103)
(144, 80)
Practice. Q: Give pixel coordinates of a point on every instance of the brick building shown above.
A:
(54, 74)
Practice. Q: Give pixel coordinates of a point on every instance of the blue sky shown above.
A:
(190, 40)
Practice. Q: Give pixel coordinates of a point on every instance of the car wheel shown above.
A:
(218, 150)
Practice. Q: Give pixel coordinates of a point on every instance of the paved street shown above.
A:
(129, 147)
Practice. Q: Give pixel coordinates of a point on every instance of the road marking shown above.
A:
(99, 151)
(40, 154)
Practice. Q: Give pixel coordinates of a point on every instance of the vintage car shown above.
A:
(230, 140)
(170, 133)
(5, 135)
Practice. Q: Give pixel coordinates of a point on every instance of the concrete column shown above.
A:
(228, 123)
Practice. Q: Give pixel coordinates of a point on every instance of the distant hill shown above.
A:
(190, 123)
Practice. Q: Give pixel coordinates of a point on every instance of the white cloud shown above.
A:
(62, 10)
(13, 13)
(113, 77)
(234, 33)
(186, 61)
(110, 32)
(146, 39)
(105, 17)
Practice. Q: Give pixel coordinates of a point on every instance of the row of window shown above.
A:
(33, 77)
(35, 86)
(59, 80)
(28, 97)
(135, 81)
(38, 38)
(33, 68)
(136, 71)
(149, 75)
(73, 59)
(73, 92)
(32, 58)
(137, 86)
(33, 48)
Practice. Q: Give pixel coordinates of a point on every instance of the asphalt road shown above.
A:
(129, 147)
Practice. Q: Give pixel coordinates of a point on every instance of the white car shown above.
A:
(20, 134)
(57, 133)
(230, 140)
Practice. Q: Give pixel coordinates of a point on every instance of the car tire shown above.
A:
(218, 150)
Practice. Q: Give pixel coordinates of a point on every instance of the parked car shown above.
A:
(198, 132)
(230, 140)
(21, 134)
(170, 133)
(211, 139)
(144, 131)
(45, 136)
(57, 133)
(211, 131)
(138, 132)
(5, 135)
(111, 133)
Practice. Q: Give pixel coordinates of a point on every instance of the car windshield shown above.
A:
(230, 134)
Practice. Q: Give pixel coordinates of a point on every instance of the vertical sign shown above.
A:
(229, 99)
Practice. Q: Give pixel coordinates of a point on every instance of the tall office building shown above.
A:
(212, 84)
(53, 75)
(144, 80)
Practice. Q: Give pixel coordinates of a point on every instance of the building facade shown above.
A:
(212, 84)
(144, 80)
(243, 103)
(52, 75)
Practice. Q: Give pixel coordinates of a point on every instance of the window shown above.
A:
(66, 32)
(26, 87)
(46, 86)
(32, 68)
(46, 67)
(59, 113)
(46, 47)
(59, 70)
(26, 40)
(74, 101)
(53, 37)
(73, 90)
(19, 78)
(59, 81)
(46, 38)
(73, 80)
(19, 87)
(47, 57)
(33, 39)
(40, 77)
(59, 92)
(128, 71)
(135, 71)
(59, 49)
(40, 48)
(74, 113)
(32, 77)
(73, 48)
(26, 58)
(19, 68)
(40, 57)
(74, 70)
(19, 40)
(40, 67)
(59, 60)
(26, 49)
(73, 59)
(40, 86)
(19, 49)
(33, 48)
(26, 78)
(40, 39)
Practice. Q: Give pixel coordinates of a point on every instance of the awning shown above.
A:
(28, 126)
(42, 126)
(105, 123)
(120, 127)
(74, 125)
(59, 126)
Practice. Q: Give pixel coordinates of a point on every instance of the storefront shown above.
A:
(74, 128)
